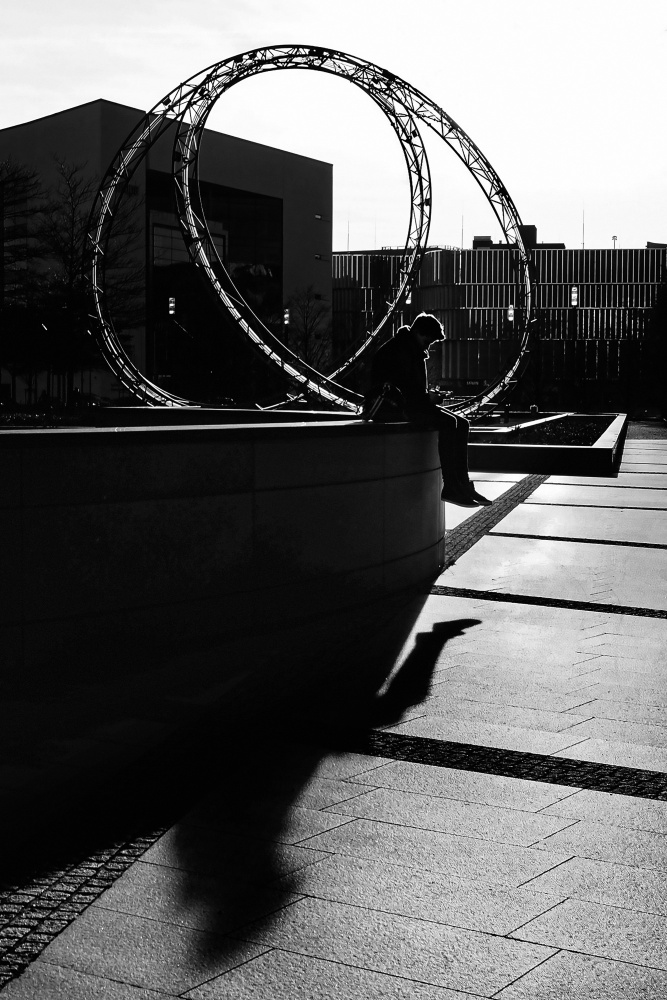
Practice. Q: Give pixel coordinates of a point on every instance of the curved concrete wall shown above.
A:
(184, 561)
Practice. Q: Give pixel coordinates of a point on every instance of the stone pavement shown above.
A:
(499, 832)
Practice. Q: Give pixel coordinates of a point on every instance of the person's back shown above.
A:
(401, 364)
(398, 390)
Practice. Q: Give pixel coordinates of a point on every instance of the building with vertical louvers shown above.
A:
(601, 330)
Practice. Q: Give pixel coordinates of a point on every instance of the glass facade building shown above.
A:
(269, 217)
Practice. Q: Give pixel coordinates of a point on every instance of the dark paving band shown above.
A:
(584, 541)
(605, 506)
(548, 602)
(515, 764)
(467, 534)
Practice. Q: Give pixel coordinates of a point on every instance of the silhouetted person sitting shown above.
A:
(398, 390)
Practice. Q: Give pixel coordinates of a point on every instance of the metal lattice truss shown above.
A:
(186, 110)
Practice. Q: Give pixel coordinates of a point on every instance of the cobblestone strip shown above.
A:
(467, 534)
(548, 602)
(33, 914)
(515, 764)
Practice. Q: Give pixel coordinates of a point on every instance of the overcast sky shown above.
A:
(566, 99)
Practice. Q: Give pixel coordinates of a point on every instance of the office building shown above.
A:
(269, 215)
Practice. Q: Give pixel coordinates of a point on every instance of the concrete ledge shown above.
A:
(150, 571)
(599, 459)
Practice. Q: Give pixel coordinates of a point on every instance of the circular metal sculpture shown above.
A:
(186, 109)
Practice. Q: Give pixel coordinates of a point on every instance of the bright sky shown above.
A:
(566, 99)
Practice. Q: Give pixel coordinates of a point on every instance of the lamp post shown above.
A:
(614, 238)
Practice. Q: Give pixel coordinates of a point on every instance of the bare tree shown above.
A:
(45, 302)
(21, 202)
(61, 285)
(309, 327)
(21, 205)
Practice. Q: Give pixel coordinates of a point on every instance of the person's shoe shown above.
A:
(452, 494)
(477, 497)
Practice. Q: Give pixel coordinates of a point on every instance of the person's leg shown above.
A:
(453, 449)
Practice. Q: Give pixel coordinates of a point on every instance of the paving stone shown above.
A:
(39, 937)
(585, 978)
(623, 630)
(346, 765)
(592, 523)
(611, 730)
(145, 953)
(632, 479)
(319, 793)
(583, 571)
(621, 669)
(609, 843)
(638, 464)
(555, 494)
(648, 758)
(10, 934)
(395, 945)
(497, 477)
(502, 617)
(451, 783)
(632, 693)
(53, 925)
(620, 636)
(488, 735)
(626, 711)
(280, 975)
(42, 981)
(606, 882)
(467, 819)
(615, 810)
(560, 667)
(467, 710)
(197, 848)
(312, 793)
(188, 899)
(499, 864)
(288, 826)
(605, 931)
(499, 693)
(432, 896)
(624, 666)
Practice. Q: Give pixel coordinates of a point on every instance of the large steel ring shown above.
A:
(189, 105)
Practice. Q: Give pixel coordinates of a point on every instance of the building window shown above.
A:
(169, 248)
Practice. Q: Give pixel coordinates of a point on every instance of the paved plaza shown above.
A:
(491, 823)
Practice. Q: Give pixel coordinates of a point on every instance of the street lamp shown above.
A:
(614, 238)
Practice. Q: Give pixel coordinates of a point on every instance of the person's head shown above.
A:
(427, 328)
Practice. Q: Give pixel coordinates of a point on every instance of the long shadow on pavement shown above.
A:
(269, 791)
